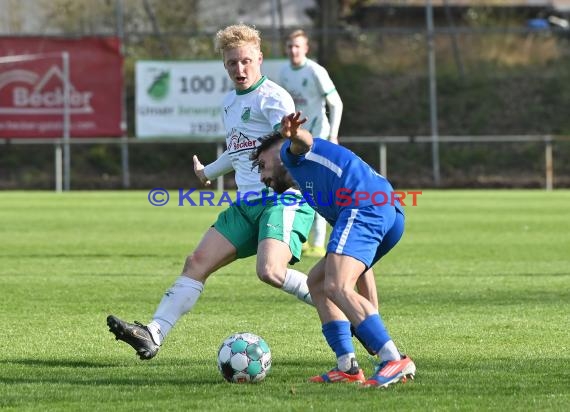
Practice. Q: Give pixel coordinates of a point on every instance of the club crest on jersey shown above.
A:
(246, 114)
(240, 142)
(305, 81)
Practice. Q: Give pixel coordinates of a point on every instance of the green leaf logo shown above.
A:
(158, 90)
(246, 114)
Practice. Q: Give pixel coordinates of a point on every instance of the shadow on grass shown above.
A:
(87, 255)
(470, 274)
(57, 363)
(74, 363)
(436, 376)
(494, 295)
(151, 380)
(78, 372)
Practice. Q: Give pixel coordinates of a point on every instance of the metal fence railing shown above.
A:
(381, 146)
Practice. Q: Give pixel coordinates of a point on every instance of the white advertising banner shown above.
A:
(184, 99)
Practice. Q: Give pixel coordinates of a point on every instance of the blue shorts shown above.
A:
(367, 233)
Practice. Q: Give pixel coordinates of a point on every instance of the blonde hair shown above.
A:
(298, 33)
(237, 35)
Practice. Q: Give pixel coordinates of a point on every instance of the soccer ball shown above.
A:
(244, 357)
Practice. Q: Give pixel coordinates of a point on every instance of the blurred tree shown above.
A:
(177, 18)
(12, 17)
(329, 18)
(78, 16)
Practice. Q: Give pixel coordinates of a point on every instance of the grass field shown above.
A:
(477, 293)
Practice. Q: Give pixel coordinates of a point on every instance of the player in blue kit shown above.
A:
(367, 222)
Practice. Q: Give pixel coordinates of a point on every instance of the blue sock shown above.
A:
(338, 336)
(372, 331)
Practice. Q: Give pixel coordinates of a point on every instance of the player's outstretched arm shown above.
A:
(301, 139)
(217, 168)
(199, 171)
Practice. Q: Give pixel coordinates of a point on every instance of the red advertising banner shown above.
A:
(32, 87)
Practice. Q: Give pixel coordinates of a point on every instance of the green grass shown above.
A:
(477, 293)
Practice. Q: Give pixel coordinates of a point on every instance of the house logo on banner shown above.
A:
(29, 93)
(155, 98)
(160, 84)
(33, 87)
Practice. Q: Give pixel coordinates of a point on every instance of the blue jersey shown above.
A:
(333, 178)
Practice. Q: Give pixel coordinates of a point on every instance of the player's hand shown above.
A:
(291, 123)
(199, 171)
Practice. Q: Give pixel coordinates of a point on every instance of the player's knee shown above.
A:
(315, 285)
(271, 274)
(330, 290)
(195, 266)
(334, 291)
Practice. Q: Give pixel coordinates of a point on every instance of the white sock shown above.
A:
(177, 301)
(346, 362)
(319, 231)
(296, 285)
(389, 352)
(155, 332)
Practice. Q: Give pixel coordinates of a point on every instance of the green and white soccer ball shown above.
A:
(244, 357)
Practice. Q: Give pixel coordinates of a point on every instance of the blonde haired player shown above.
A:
(272, 230)
(312, 90)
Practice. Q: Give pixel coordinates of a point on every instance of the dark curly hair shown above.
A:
(265, 142)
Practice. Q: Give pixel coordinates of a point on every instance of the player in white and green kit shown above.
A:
(249, 114)
(312, 90)
(272, 230)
